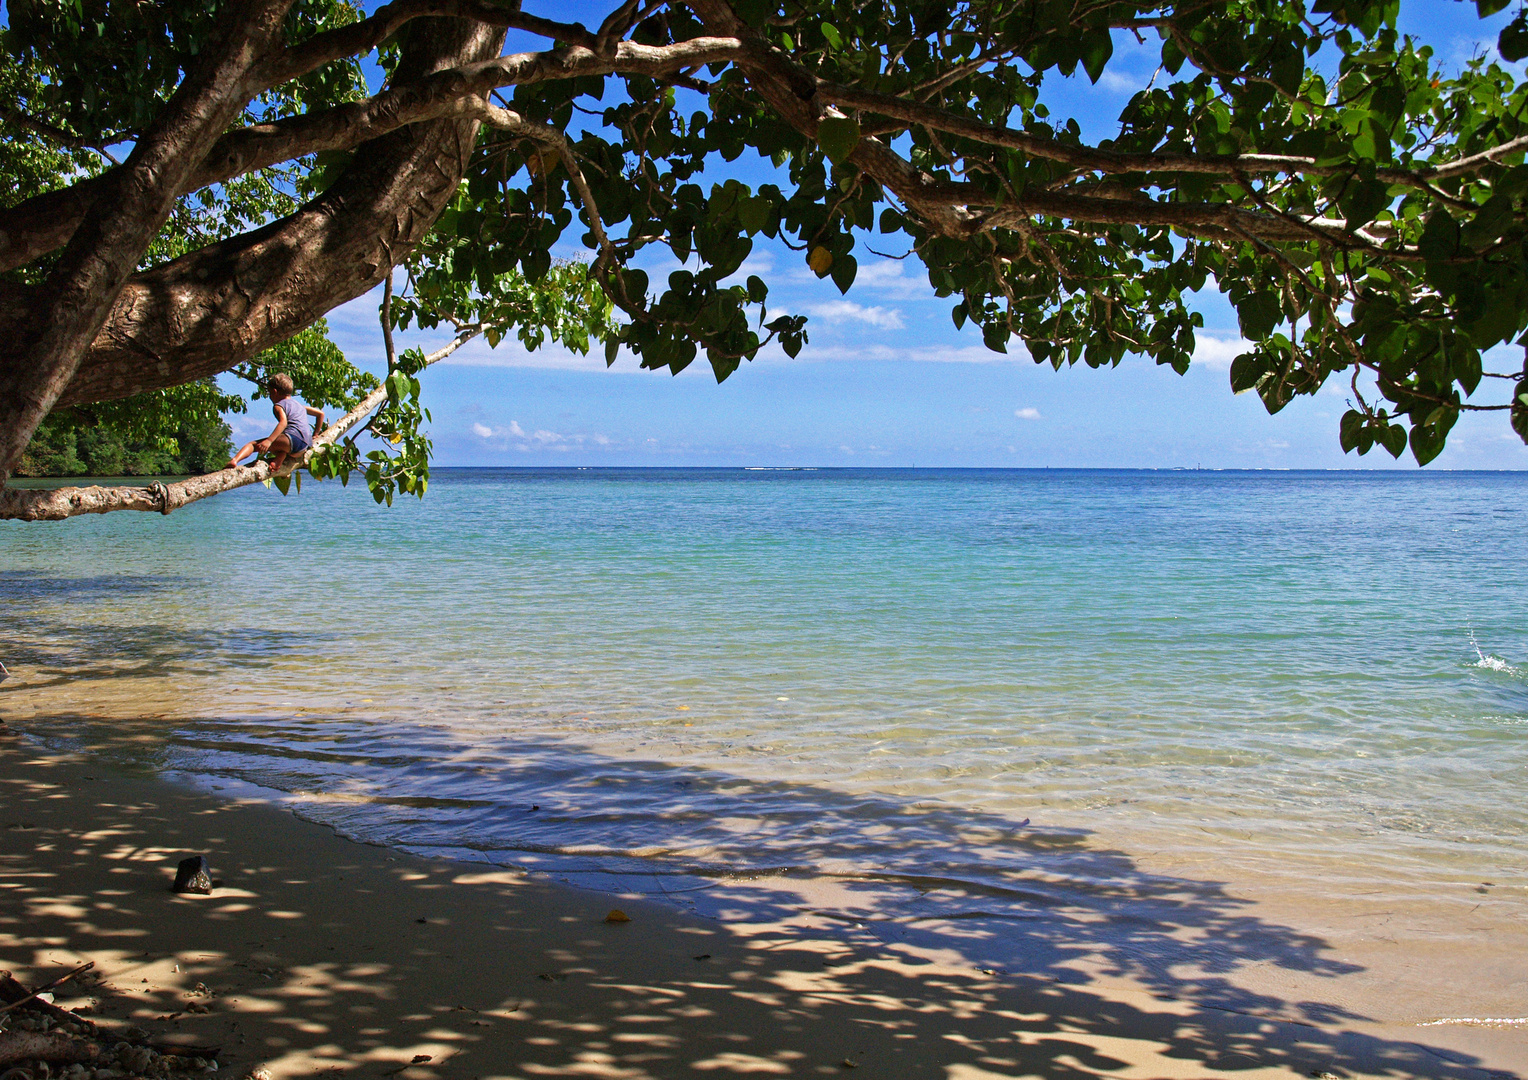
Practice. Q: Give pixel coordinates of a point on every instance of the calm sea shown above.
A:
(993, 690)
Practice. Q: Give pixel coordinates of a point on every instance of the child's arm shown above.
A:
(281, 423)
(322, 423)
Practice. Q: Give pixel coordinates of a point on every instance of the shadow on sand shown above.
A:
(329, 956)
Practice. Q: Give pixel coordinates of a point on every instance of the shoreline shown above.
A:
(318, 961)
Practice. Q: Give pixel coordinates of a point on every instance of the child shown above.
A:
(292, 434)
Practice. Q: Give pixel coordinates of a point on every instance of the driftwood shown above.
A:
(54, 1046)
(45, 988)
(14, 993)
(45, 1046)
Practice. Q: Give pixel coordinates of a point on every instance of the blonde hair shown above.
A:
(281, 382)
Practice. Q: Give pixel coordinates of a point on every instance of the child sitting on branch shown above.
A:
(293, 433)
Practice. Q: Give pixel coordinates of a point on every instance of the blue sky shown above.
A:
(888, 380)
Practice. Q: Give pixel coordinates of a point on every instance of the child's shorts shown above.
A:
(299, 441)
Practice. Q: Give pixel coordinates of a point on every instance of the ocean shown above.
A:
(980, 702)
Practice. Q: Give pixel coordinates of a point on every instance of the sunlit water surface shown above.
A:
(1315, 682)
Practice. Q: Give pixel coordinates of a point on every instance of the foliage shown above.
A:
(566, 306)
(1362, 208)
(1353, 256)
(320, 373)
(165, 433)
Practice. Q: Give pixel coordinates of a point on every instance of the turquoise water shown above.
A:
(1306, 681)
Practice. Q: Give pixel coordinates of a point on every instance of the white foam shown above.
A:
(1489, 662)
(1478, 1021)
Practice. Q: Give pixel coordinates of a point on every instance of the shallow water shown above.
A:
(1306, 685)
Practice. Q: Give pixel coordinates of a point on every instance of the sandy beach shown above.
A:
(318, 955)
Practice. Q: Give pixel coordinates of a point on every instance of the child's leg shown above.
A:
(244, 452)
(280, 447)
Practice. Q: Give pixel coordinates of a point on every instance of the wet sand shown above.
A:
(329, 957)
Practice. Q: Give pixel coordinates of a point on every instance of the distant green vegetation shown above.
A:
(129, 438)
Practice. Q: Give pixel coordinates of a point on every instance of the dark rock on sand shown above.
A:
(193, 875)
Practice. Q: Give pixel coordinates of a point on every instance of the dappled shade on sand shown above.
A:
(330, 957)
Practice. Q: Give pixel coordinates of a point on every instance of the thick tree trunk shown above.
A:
(117, 230)
(209, 310)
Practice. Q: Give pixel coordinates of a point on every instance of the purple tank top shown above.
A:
(297, 417)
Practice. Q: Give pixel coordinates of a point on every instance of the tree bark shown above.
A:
(205, 312)
(118, 228)
(44, 1045)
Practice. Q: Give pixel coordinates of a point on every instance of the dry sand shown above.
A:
(325, 956)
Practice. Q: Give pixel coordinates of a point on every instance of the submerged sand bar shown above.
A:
(329, 957)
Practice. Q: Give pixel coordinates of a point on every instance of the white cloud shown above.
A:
(1217, 353)
(482, 431)
(926, 354)
(1028, 412)
(841, 310)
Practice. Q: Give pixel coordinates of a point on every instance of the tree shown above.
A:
(1362, 208)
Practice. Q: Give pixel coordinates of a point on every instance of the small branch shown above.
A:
(44, 989)
(57, 134)
(513, 122)
(387, 320)
(1091, 159)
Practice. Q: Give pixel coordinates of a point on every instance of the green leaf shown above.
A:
(1393, 438)
(1348, 430)
(1363, 200)
(1426, 443)
(1259, 313)
(1246, 370)
(753, 213)
(1512, 42)
(1440, 236)
(843, 271)
(755, 12)
(1097, 47)
(838, 136)
(831, 36)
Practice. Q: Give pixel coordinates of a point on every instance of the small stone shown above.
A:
(617, 915)
(849, 1064)
(260, 1072)
(193, 875)
(137, 1060)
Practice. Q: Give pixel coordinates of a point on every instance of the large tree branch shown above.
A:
(1093, 159)
(209, 310)
(106, 249)
(57, 504)
(46, 222)
(362, 37)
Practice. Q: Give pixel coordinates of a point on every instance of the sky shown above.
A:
(887, 380)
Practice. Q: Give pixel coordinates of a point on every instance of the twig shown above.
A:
(44, 989)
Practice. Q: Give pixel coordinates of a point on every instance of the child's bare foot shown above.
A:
(277, 460)
(232, 464)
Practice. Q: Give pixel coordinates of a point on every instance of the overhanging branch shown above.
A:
(58, 504)
(46, 222)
